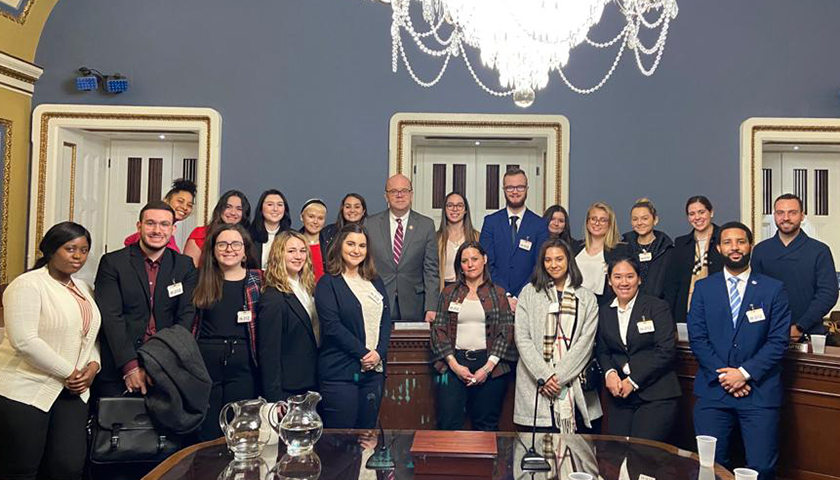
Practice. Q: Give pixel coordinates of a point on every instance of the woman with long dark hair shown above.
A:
(232, 208)
(353, 209)
(226, 297)
(559, 223)
(48, 360)
(472, 345)
(556, 322)
(270, 218)
(353, 311)
(455, 229)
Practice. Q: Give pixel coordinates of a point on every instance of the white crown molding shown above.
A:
(18, 75)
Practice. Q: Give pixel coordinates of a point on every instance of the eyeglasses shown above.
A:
(151, 224)
(597, 220)
(235, 246)
(516, 188)
(398, 193)
(455, 206)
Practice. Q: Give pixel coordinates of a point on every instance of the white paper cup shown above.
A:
(706, 450)
(682, 332)
(745, 473)
(706, 473)
(580, 476)
(818, 344)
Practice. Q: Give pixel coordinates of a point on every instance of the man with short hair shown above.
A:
(513, 236)
(404, 248)
(140, 290)
(738, 327)
(804, 264)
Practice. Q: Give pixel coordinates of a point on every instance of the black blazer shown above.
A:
(122, 294)
(678, 277)
(286, 346)
(657, 266)
(343, 328)
(651, 355)
(621, 250)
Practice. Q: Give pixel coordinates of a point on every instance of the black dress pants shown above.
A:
(634, 417)
(43, 445)
(455, 400)
(352, 404)
(234, 378)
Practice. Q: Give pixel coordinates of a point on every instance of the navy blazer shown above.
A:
(758, 346)
(343, 328)
(511, 266)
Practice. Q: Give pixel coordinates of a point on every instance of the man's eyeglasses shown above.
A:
(398, 193)
(516, 188)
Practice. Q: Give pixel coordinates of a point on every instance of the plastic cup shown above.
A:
(745, 474)
(706, 449)
(580, 476)
(706, 473)
(682, 332)
(818, 344)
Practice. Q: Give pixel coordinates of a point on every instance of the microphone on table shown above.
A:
(381, 458)
(533, 461)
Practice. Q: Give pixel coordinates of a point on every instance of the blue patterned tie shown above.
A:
(734, 299)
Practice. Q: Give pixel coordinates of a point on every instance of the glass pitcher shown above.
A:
(242, 432)
(301, 426)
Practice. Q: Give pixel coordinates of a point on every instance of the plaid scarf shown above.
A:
(554, 346)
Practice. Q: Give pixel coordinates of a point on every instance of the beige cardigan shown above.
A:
(43, 341)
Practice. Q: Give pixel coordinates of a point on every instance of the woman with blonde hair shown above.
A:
(289, 328)
(651, 247)
(602, 243)
(455, 229)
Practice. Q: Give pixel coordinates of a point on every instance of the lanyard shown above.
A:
(568, 341)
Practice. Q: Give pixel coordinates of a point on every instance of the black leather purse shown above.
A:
(591, 376)
(122, 432)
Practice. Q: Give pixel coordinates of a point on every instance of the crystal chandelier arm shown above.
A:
(611, 42)
(586, 91)
(414, 76)
(478, 80)
(661, 49)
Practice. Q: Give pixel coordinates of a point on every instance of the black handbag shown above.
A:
(591, 376)
(121, 431)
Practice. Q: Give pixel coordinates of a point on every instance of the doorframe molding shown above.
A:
(757, 131)
(554, 128)
(48, 119)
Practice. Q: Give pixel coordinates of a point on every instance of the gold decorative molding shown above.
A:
(524, 125)
(4, 206)
(17, 75)
(46, 117)
(20, 17)
(72, 179)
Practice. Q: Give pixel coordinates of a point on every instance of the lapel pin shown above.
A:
(411, 227)
(754, 282)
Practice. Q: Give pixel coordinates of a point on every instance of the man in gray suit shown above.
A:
(404, 248)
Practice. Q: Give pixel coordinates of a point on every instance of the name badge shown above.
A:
(375, 296)
(455, 307)
(243, 316)
(645, 257)
(554, 307)
(755, 315)
(175, 289)
(645, 326)
(525, 245)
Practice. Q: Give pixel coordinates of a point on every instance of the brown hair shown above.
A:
(540, 278)
(470, 233)
(208, 289)
(276, 275)
(335, 263)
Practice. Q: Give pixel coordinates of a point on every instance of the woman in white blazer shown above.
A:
(556, 322)
(48, 360)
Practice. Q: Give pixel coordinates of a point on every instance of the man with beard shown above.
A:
(141, 289)
(738, 328)
(803, 264)
(513, 236)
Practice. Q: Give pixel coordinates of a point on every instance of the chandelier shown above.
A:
(524, 40)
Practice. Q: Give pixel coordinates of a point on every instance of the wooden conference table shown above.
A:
(339, 455)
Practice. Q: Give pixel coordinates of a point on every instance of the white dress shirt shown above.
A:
(623, 324)
(393, 220)
(266, 250)
(593, 268)
(743, 277)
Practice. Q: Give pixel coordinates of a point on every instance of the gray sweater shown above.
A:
(531, 312)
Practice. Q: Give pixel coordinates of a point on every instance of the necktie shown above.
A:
(513, 220)
(734, 299)
(398, 241)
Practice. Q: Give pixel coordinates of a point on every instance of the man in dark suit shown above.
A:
(404, 248)
(738, 327)
(141, 289)
(512, 236)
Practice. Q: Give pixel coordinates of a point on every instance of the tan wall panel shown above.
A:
(21, 39)
(17, 108)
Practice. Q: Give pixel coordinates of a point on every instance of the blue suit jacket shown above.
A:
(511, 266)
(758, 346)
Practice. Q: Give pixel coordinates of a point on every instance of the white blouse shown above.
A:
(308, 303)
(449, 260)
(471, 333)
(593, 269)
(266, 250)
(372, 308)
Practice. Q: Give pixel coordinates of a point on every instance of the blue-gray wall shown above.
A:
(306, 91)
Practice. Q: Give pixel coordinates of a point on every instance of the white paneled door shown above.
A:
(475, 171)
